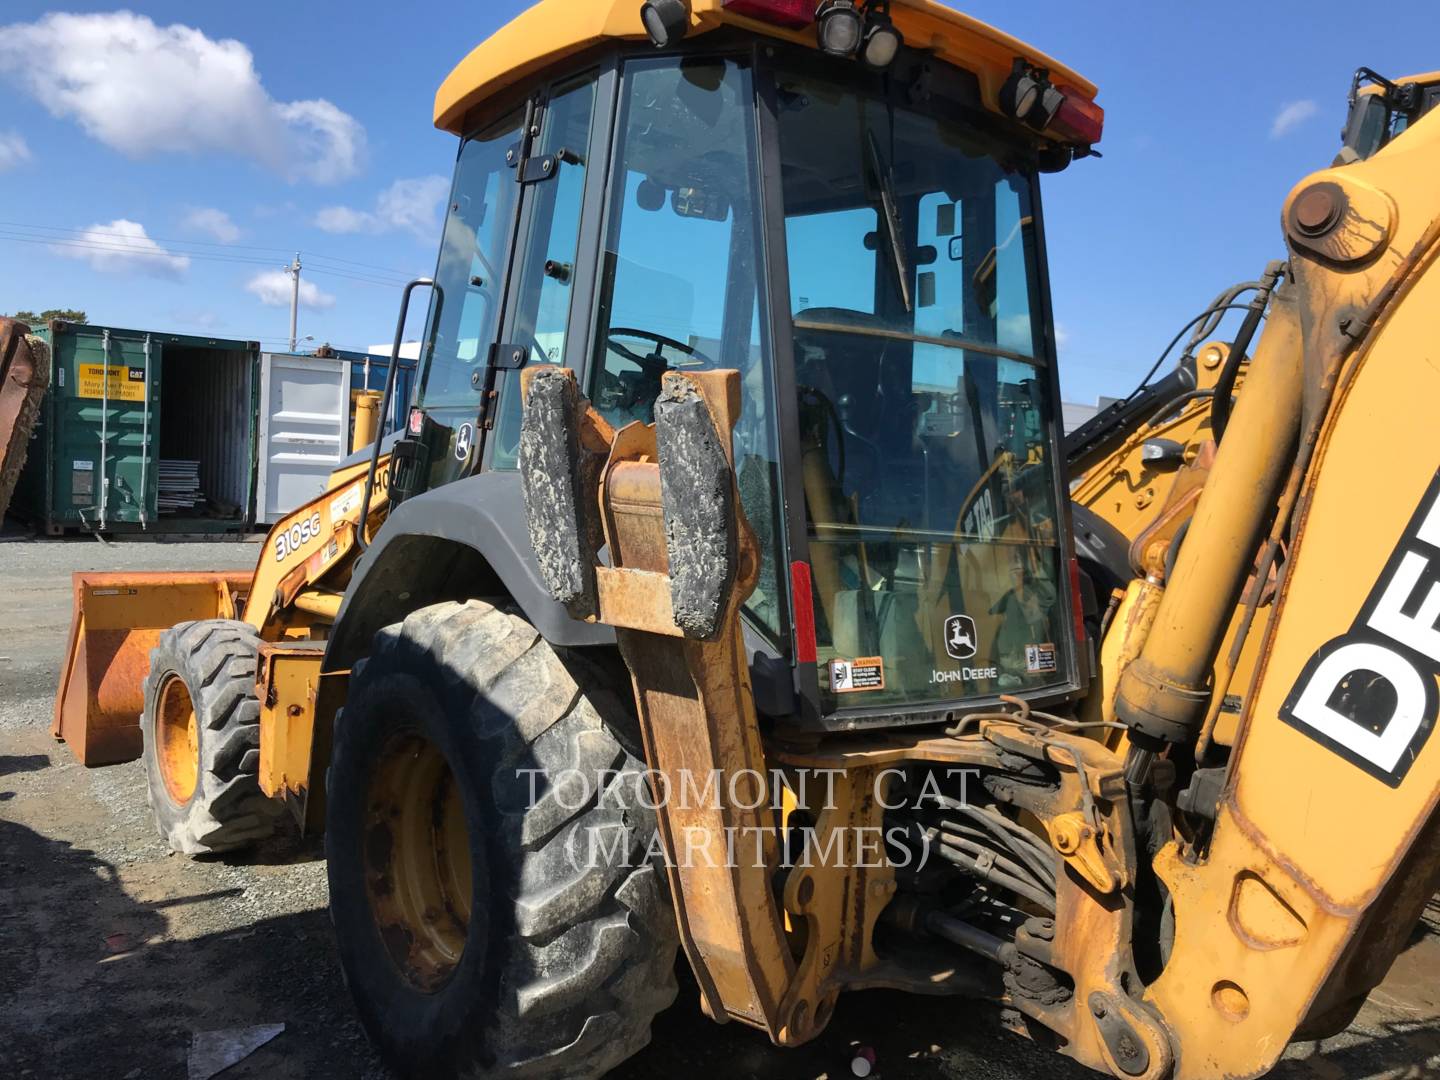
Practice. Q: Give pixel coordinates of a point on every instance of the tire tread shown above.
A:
(590, 959)
(217, 660)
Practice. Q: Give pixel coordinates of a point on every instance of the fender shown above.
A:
(482, 519)
(459, 542)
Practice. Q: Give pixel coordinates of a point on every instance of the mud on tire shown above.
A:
(567, 952)
(201, 729)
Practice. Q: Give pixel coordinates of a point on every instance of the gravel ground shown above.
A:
(113, 953)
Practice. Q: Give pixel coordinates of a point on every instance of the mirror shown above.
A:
(650, 195)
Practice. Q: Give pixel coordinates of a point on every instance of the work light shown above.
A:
(1029, 96)
(840, 29)
(882, 40)
(1021, 91)
(666, 21)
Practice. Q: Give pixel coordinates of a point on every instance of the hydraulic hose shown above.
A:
(1225, 385)
(1163, 695)
(996, 877)
(1033, 866)
(1023, 844)
(1100, 434)
(977, 851)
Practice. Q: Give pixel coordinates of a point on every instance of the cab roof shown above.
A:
(1429, 78)
(551, 31)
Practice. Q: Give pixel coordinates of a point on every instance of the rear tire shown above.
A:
(479, 933)
(201, 729)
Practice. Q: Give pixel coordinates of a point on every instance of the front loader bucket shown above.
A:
(24, 376)
(118, 619)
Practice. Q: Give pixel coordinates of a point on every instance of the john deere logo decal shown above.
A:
(463, 440)
(960, 637)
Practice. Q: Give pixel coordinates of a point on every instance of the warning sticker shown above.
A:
(346, 504)
(1039, 658)
(122, 384)
(852, 676)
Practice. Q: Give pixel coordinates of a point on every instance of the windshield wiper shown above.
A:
(891, 215)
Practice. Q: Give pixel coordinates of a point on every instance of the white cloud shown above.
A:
(122, 247)
(1062, 335)
(342, 219)
(1291, 115)
(273, 288)
(207, 321)
(211, 222)
(14, 151)
(143, 89)
(413, 205)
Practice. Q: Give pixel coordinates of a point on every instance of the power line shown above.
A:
(361, 265)
(87, 236)
(393, 284)
(157, 239)
(161, 254)
(121, 248)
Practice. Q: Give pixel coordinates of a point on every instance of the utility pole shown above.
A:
(294, 271)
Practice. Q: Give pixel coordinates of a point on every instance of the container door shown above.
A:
(304, 430)
(107, 431)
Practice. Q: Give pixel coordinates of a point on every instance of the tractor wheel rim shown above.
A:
(417, 862)
(178, 740)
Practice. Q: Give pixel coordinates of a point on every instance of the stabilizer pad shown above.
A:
(698, 494)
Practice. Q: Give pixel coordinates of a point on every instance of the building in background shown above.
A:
(1076, 414)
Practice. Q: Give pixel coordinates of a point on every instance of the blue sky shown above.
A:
(313, 133)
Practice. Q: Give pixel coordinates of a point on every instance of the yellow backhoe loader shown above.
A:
(722, 593)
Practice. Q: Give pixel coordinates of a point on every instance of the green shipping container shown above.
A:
(131, 421)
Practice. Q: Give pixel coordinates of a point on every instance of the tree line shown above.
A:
(34, 321)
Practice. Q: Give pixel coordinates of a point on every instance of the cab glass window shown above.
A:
(541, 325)
(924, 414)
(682, 277)
(470, 279)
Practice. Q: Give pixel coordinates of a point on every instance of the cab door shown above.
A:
(550, 301)
(466, 307)
(506, 281)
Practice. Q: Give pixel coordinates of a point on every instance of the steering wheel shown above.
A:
(646, 363)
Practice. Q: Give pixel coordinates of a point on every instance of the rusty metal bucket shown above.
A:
(118, 619)
(24, 378)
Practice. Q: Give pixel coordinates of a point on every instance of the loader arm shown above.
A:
(292, 595)
(305, 561)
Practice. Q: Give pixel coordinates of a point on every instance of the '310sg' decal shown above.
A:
(1369, 695)
(296, 537)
